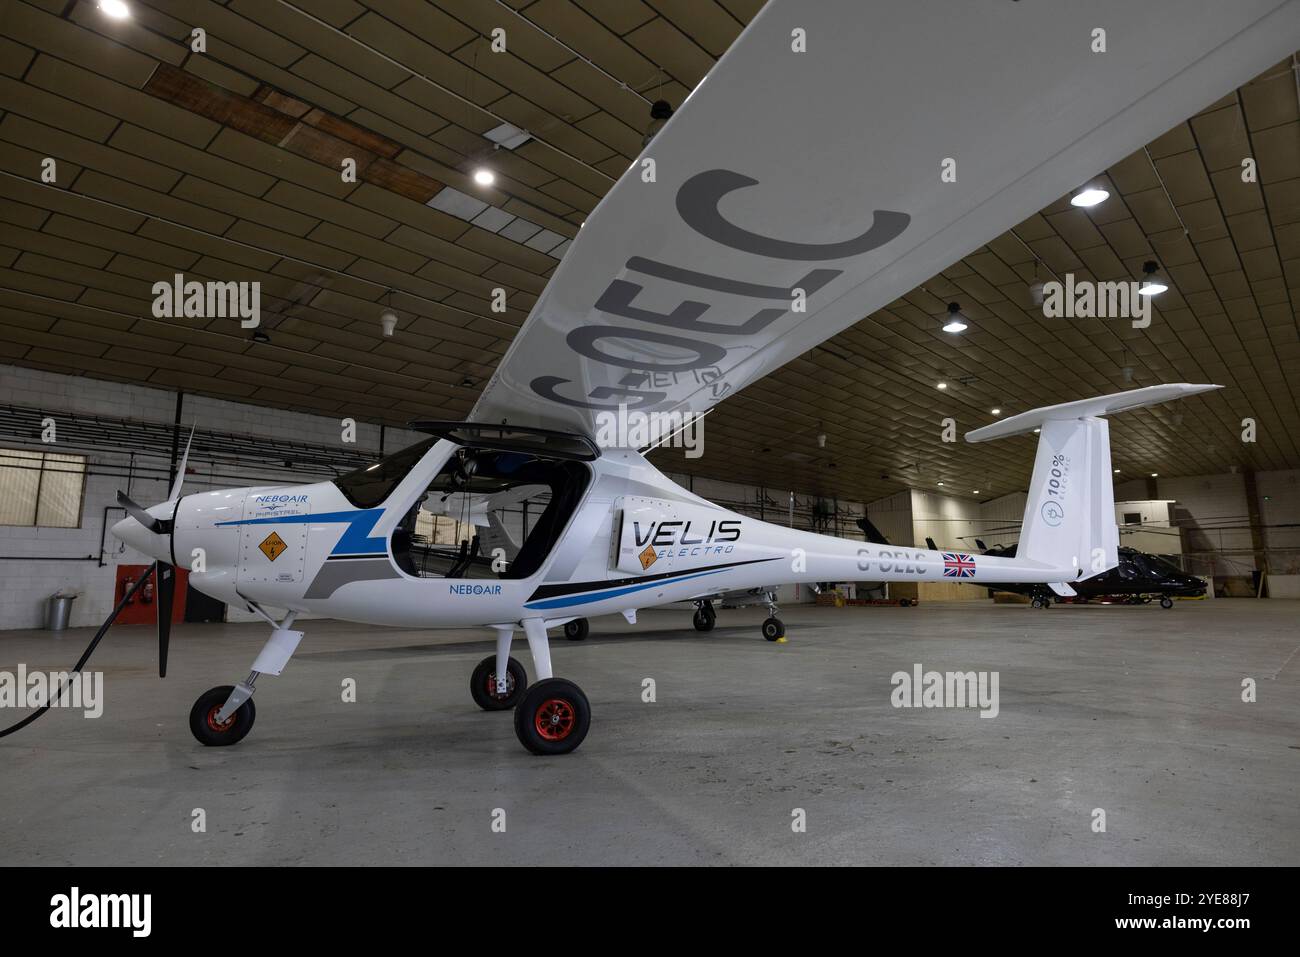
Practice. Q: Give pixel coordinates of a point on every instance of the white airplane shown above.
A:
(798, 172)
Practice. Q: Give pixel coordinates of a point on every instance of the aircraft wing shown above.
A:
(798, 190)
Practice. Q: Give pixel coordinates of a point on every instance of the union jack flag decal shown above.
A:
(956, 565)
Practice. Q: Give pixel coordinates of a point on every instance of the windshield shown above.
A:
(369, 486)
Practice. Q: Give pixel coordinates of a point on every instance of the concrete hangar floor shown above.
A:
(1136, 712)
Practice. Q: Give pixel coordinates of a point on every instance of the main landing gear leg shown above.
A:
(224, 715)
(773, 627)
(499, 681)
(553, 715)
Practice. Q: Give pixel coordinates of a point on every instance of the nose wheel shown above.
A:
(206, 724)
(552, 717)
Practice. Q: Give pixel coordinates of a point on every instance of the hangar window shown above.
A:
(1132, 518)
(41, 489)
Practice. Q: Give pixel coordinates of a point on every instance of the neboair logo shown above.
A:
(952, 689)
(23, 689)
(75, 909)
(208, 300)
(1086, 299)
(281, 504)
(635, 430)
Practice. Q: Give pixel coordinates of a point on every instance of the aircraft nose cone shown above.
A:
(131, 532)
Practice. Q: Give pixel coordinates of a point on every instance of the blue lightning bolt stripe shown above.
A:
(356, 538)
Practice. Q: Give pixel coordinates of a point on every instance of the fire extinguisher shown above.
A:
(146, 593)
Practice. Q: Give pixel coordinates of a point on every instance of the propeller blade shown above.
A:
(180, 472)
(139, 514)
(166, 597)
(982, 546)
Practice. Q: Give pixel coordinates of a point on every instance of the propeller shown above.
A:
(165, 570)
(155, 525)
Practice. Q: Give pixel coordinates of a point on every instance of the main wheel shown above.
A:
(773, 629)
(1036, 603)
(483, 684)
(1166, 602)
(208, 730)
(577, 629)
(552, 717)
(705, 618)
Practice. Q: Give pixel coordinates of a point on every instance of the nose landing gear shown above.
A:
(224, 715)
(209, 730)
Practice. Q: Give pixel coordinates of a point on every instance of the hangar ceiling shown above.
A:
(225, 165)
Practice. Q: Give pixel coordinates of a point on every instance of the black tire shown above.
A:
(704, 619)
(773, 629)
(577, 629)
(1166, 602)
(552, 717)
(203, 723)
(1036, 603)
(483, 684)
(905, 602)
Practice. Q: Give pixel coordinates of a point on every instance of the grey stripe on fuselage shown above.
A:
(333, 575)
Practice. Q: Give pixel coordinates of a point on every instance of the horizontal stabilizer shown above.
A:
(1102, 405)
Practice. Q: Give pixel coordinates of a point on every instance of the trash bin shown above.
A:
(59, 611)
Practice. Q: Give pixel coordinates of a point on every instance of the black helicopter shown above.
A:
(1138, 579)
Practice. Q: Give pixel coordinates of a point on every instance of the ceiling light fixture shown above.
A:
(1116, 471)
(115, 9)
(942, 385)
(1089, 196)
(995, 411)
(975, 491)
(1038, 290)
(1155, 474)
(1150, 285)
(956, 321)
(484, 177)
(388, 318)
(260, 336)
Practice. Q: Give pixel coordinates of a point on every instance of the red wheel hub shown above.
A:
(216, 725)
(555, 719)
(492, 686)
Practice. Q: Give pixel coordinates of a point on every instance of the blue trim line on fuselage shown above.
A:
(615, 593)
(355, 539)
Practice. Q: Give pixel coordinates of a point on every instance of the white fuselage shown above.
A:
(636, 540)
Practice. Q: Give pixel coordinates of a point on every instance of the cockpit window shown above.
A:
(489, 513)
(369, 486)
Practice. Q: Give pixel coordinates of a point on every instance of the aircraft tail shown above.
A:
(1069, 518)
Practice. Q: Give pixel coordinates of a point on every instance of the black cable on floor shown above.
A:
(81, 662)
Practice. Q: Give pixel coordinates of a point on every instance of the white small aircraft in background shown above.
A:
(788, 179)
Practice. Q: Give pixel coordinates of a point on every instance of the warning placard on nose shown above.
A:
(272, 546)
